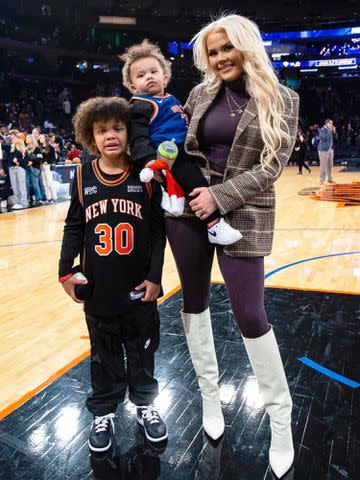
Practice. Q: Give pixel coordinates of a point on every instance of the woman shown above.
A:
(35, 159)
(17, 161)
(48, 153)
(301, 151)
(242, 131)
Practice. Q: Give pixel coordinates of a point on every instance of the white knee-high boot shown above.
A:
(267, 365)
(200, 341)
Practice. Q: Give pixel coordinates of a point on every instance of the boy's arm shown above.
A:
(142, 150)
(73, 237)
(157, 238)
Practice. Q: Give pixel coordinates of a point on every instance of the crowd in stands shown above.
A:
(26, 162)
(36, 133)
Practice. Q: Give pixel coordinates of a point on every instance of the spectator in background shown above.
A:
(3, 194)
(66, 106)
(5, 142)
(300, 153)
(57, 142)
(2, 133)
(73, 152)
(48, 159)
(325, 147)
(62, 95)
(48, 125)
(34, 163)
(56, 138)
(36, 134)
(18, 162)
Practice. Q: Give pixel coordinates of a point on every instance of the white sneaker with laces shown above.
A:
(154, 427)
(17, 206)
(223, 234)
(102, 430)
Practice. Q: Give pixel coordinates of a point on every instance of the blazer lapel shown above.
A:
(199, 112)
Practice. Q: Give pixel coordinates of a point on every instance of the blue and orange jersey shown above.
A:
(168, 121)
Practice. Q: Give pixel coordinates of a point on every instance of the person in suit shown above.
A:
(243, 125)
(325, 147)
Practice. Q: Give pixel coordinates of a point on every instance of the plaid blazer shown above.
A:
(246, 197)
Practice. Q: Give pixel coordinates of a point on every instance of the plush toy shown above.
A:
(173, 197)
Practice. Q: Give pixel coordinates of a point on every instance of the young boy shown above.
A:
(157, 117)
(116, 224)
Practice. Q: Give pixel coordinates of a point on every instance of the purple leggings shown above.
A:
(244, 276)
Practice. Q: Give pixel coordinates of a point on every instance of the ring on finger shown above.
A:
(198, 213)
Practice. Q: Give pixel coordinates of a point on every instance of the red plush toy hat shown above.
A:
(173, 198)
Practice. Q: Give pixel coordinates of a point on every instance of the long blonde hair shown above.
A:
(19, 144)
(34, 142)
(261, 82)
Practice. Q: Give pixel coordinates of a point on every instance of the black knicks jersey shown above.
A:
(116, 224)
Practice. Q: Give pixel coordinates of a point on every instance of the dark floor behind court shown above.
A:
(46, 438)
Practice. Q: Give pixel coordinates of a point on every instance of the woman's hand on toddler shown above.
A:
(203, 202)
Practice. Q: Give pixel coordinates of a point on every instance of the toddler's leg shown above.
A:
(189, 176)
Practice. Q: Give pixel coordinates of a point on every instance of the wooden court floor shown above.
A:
(316, 247)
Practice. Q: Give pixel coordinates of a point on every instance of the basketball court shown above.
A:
(313, 282)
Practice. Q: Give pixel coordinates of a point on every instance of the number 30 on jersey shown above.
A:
(120, 239)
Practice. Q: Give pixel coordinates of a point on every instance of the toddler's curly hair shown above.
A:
(143, 50)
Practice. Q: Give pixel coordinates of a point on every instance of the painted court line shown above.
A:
(307, 361)
(28, 243)
(329, 373)
(357, 252)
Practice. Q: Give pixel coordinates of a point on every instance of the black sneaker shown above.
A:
(102, 429)
(154, 427)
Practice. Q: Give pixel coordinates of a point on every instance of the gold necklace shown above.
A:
(238, 109)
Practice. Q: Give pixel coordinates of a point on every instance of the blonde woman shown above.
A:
(18, 161)
(242, 130)
(35, 159)
(48, 153)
